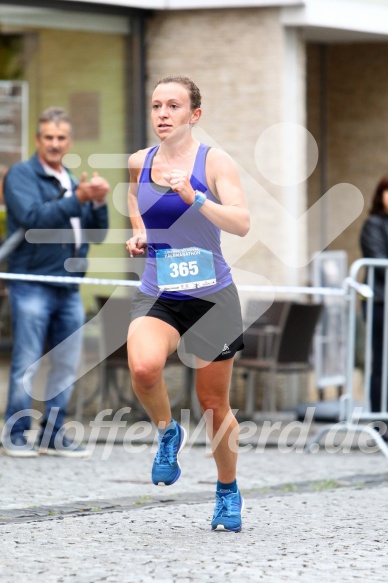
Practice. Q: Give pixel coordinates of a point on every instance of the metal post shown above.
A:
(368, 337)
(384, 376)
(350, 353)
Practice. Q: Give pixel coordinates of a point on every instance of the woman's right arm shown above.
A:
(138, 242)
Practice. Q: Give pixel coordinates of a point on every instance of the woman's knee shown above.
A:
(216, 406)
(145, 372)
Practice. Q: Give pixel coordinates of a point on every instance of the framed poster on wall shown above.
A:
(13, 132)
(13, 121)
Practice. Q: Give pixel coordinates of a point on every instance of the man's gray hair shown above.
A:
(55, 114)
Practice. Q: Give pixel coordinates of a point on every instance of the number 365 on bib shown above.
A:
(182, 269)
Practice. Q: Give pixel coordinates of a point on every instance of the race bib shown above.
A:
(182, 269)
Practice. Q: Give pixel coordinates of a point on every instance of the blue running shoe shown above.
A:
(166, 469)
(227, 513)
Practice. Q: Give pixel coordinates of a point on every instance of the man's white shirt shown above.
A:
(65, 181)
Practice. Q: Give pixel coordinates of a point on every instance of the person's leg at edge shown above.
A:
(150, 341)
(213, 382)
(377, 352)
(30, 312)
(377, 367)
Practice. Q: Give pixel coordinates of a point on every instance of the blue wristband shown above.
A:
(200, 198)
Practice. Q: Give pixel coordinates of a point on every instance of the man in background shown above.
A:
(41, 194)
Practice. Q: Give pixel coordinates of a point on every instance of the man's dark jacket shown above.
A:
(374, 244)
(35, 200)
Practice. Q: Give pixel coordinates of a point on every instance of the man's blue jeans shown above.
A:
(44, 318)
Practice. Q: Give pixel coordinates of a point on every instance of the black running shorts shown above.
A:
(210, 327)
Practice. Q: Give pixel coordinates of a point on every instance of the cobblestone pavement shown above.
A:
(308, 518)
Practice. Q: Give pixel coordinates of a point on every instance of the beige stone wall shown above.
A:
(237, 59)
(91, 62)
(357, 126)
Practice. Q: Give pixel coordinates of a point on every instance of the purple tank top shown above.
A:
(173, 224)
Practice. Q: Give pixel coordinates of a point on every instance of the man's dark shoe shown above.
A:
(382, 430)
(18, 446)
(59, 445)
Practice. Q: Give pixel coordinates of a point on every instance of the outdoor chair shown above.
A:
(278, 342)
(114, 378)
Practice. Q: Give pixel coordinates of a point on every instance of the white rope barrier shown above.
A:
(323, 291)
(68, 279)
